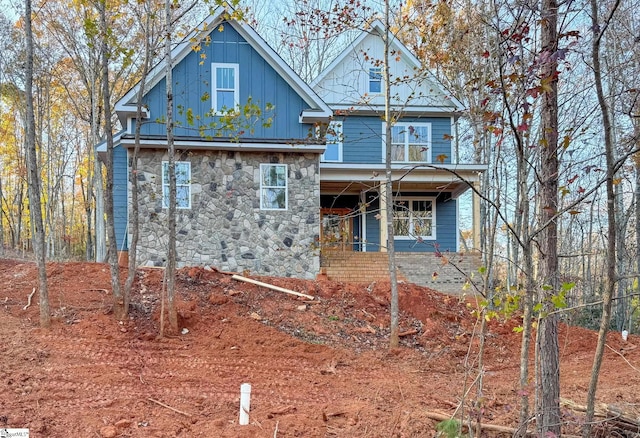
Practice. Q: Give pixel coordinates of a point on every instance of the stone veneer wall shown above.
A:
(225, 226)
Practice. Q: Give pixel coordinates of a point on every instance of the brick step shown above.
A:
(356, 267)
(418, 268)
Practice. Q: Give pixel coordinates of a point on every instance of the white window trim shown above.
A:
(337, 126)
(236, 84)
(264, 166)
(370, 80)
(406, 144)
(408, 199)
(188, 185)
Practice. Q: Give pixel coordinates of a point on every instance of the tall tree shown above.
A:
(599, 30)
(147, 13)
(35, 200)
(548, 411)
(118, 299)
(170, 273)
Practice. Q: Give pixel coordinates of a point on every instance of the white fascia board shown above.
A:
(408, 172)
(313, 116)
(225, 145)
(377, 109)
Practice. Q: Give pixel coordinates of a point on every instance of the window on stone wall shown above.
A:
(414, 218)
(183, 184)
(273, 186)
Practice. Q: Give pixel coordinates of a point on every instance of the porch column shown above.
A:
(384, 237)
(476, 217)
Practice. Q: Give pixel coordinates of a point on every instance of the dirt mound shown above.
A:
(317, 367)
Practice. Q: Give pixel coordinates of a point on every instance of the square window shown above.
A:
(183, 184)
(225, 93)
(414, 218)
(273, 187)
(411, 142)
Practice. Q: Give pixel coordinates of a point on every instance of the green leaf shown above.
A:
(537, 307)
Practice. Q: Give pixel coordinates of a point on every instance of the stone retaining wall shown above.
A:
(225, 226)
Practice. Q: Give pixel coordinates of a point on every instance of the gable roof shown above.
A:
(317, 111)
(377, 28)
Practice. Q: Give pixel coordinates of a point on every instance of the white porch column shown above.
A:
(384, 237)
(476, 217)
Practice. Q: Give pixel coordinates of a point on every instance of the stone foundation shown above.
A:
(225, 226)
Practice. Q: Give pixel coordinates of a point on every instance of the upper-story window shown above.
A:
(411, 142)
(183, 184)
(375, 80)
(225, 93)
(273, 187)
(334, 137)
(414, 218)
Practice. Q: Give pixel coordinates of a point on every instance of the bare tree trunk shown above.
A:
(610, 279)
(118, 300)
(394, 337)
(35, 200)
(134, 219)
(1, 222)
(171, 255)
(548, 413)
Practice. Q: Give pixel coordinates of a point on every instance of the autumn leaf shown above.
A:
(441, 158)
(546, 84)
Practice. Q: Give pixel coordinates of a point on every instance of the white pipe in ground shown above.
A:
(245, 403)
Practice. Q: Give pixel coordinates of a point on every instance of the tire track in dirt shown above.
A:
(162, 370)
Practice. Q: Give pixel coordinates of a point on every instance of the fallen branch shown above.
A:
(408, 332)
(493, 427)
(610, 414)
(272, 287)
(29, 299)
(168, 407)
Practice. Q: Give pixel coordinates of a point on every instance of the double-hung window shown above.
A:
(183, 184)
(414, 218)
(411, 142)
(273, 187)
(333, 152)
(226, 86)
(375, 80)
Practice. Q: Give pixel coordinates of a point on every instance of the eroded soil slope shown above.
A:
(318, 368)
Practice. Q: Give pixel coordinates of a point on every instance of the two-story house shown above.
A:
(427, 180)
(257, 188)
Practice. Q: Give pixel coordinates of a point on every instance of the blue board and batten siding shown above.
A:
(120, 183)
(446, 230)
(258, 82)
(363, 138)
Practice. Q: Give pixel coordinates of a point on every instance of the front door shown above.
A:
(336, 231)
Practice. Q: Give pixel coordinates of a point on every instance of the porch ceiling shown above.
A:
(353, 178)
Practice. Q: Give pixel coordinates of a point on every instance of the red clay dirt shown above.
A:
(318, 368)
